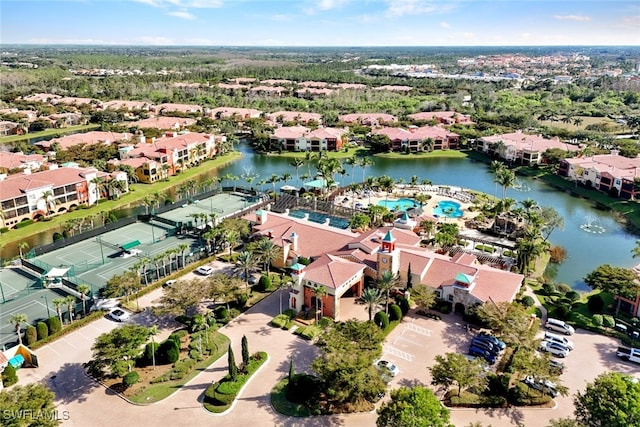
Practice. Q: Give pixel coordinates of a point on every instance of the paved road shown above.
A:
(412, 346)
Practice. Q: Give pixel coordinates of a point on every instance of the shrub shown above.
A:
(280, 321)
(444, 307)
(9, 376)
(563, 288)
(548, 289)
(303, 388)
(130, 379)
(597, 320)
(608, 321)
(185, 320)
(264, 284)
(595, 303)
(168, 352)
(527, 301)
(404, 305)
(572, 296)
(195, 355)
(381, 319)
(395, 312)
(30, 335)
(24, 223)
(557, 254)
(325, 321)
(222, 313)
(522, 395)
(150, 350)
(43, 330)
(290, 313)
(234, 312)
(563, 312)
(54, 325)
(241, 300)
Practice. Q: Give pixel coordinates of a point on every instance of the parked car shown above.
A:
(205, 270)
(387, 367)
(556, 349)
(480, 352)
(543, 386)
(493, 340)
(485, 345)
(550, 336)
(559, 326)
(557, 366)
(119, 315)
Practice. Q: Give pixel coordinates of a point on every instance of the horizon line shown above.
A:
(310, 46)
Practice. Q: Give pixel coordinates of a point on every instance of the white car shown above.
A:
(130, 253)
(556, 349)
(119, 315)
(387, 368)
(205, 270)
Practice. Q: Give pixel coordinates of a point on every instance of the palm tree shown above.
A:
(297, 163)
(232, 237)
(636, 250)
(22, 246)
(285, 177)
(153, 331)
(267, 252)
(58, 303)
(506, 178)
(84, 291)
(183, 248)
(353, 162)
(273, 181)
(49, 201)
(71, 301)
(320, 292)
(365, 162)
(17, 320)
(495, 167)
(385, 283)
(371, 298)
(246, 262)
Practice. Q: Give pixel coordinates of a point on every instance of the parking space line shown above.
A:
(68, 343)
(418, 329)
(398, 353)
(412, 341)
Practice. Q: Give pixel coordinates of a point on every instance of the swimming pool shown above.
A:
(320, 218)
(448, 209)
(398, 204)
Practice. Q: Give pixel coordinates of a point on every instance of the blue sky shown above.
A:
(321, 22)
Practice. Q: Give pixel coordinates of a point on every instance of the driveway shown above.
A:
(412, 346)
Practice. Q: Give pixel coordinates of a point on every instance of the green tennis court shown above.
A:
(220, 205)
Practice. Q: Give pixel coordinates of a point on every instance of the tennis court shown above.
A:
(221, 205)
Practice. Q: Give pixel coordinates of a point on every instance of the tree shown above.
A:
(84, 290)
(231, 361)
(385, 283)
(365, 162)
(267, 252)
(71, 301)
(22, 246)
(180, 299)
(58, 303)
(495, 167)
(510, 321)
(245, 351)
(371, 297)
(505, 178)
(246, 262)
(153, 331)
(423, 297)
(413, 407)
(117, 350)
(32, 404)
(359, 221)
(297, 163)
(232, 237)
(320, 292)
(635, 251)
(551, 221)
(612, 400)
(455, 368)
(222, 287)
(17, 319)
(615, 280)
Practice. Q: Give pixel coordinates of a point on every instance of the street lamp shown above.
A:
(46, 303)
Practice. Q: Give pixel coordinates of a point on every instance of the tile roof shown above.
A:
(523, 141)
(367, 117)
(19, 184)
(290, 116)
(332, 271)
(19, 160)
(164, 122)
(93, 137)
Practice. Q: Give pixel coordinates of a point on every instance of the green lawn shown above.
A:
(48, 132)
(156, 392)
(342, 154)
(440, 154)
(133, 198)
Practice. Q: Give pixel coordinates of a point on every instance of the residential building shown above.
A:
(611, 173)
(299, 117)
(442, 117)
(41, 97)
(426, 138)
(343, 262)
(76, 102)
(268, 90)
(8, 128)
(312, 92)
(300, 138)
(177, 108)
(234, 113)
(368, 119)
(163, 123)
(19, 161)
(87, 138)
(521, 148)
(117, 104)
(51, 192)
(66, 119)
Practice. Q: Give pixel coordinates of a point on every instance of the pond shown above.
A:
(585, 250)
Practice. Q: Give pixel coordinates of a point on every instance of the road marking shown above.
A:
(398, 353)
(67, 341)
(412, 327)
(412, 340)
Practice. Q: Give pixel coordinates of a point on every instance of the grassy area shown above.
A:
(156, 392)
(49, 132)
(440, 154)
(342, 154)
(282, 405)
(136, 194)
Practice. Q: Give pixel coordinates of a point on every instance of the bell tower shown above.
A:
(388, 255)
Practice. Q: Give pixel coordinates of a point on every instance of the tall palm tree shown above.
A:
(153, 331)
(495, 167)
(50, 202)
(319, 292)
(371, 297)
(232, 237)
(267, 252)
(58, 303)
(183, 249)
(506, 178)
(246, 262)
(17, 320)
(71, 301)
(273, 181)
(365, 162)
(22, 246)
(84, 290)
(385, 283)
(297, 163)
(353, 162)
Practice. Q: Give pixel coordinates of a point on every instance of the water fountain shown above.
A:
(519, 185)
(591, 225)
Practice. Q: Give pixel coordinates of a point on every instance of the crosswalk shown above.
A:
(414, 328)
(397, 353)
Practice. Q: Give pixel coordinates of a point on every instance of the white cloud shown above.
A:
(579, 18)
(182, 14)
(324, 5)
(397, 8)
(445, 25)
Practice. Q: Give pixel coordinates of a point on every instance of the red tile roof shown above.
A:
(332, 271)
(164, 122)
(90, 138)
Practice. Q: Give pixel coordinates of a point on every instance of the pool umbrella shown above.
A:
(413, 212)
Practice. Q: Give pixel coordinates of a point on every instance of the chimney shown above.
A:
(294, 241)
(261, 216)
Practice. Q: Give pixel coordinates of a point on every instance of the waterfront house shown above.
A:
(521, 148)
